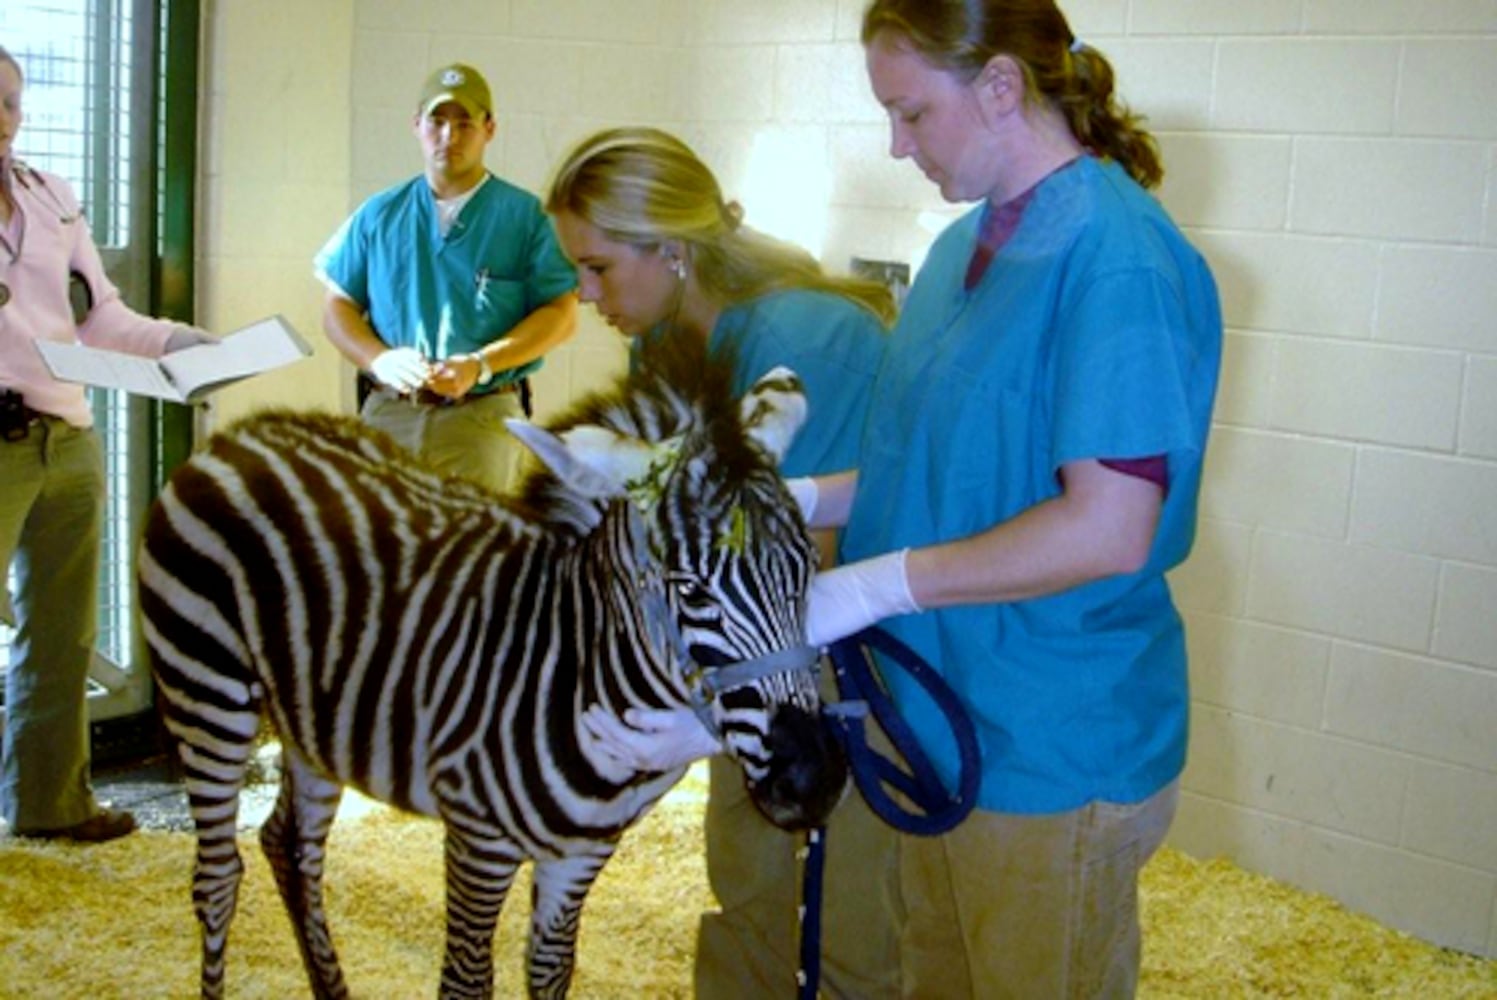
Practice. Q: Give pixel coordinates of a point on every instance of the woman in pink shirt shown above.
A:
(52, 490)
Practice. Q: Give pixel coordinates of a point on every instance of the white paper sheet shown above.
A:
(184, 375)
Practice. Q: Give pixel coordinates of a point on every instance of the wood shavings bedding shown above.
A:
(115, 920)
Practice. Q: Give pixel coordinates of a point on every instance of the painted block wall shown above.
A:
(1336, 160)
(273, 183)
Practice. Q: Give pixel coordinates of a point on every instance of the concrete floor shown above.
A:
(150, 790)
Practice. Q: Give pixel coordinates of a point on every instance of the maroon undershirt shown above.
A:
(998, 224)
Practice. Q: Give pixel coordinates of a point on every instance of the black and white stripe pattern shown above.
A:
(434, 646)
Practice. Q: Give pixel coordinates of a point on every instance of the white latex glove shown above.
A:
(650, 739)
(400, 368)
(803, 490)
(187, 336)
(849, 598)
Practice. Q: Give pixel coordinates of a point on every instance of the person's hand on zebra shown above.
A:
(648, 739)
(847, 599)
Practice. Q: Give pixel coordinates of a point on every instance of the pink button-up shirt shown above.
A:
(53, 239)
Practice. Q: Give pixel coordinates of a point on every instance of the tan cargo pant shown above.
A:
(468, 439)
(51, 519)
(750, 948)
(1030, 906)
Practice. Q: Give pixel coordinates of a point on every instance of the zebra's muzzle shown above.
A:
(807, 774)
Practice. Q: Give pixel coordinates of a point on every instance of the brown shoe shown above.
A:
(106, 824)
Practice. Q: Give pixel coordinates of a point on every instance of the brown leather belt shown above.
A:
(426, 397)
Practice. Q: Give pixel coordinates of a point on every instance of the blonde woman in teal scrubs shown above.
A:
(660, 253)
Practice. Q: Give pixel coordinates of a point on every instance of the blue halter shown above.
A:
(936, 809)
(704, 684)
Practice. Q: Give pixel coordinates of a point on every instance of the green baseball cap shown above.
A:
(461, 83)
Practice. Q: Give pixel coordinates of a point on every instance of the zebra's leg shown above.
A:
(480, 870)
(214, 760)
(557, 891)
(294, 839)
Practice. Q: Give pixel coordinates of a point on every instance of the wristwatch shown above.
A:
(485, 373)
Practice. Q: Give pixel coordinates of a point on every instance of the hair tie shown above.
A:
(1077, 45)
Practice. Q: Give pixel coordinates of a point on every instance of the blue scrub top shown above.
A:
(449, 295)
(832, 343)
(1095, 333)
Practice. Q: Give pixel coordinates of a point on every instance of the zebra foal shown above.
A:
(435, 646)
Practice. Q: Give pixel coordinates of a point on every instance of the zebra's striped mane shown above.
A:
(675, 389)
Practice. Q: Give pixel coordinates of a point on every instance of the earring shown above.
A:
(678, 268)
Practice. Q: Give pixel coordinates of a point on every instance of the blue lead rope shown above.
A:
(936, 808)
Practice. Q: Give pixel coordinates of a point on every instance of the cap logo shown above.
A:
(452, 78)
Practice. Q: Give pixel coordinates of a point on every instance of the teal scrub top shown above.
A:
(832, 343)
(1094, 334)
(449, 295)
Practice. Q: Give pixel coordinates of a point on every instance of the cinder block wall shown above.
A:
(1337, 162)
(273, 181)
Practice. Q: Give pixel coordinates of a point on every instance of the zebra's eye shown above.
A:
(687, 587)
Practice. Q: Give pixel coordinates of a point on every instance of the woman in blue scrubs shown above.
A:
(1029, 472)
(660, 253)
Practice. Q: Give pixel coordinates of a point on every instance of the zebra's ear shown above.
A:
(592, 460)
(774, 409)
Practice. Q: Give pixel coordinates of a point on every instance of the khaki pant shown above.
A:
(51, 517)
(467, 439)
(1030, 906)
(750, 948)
